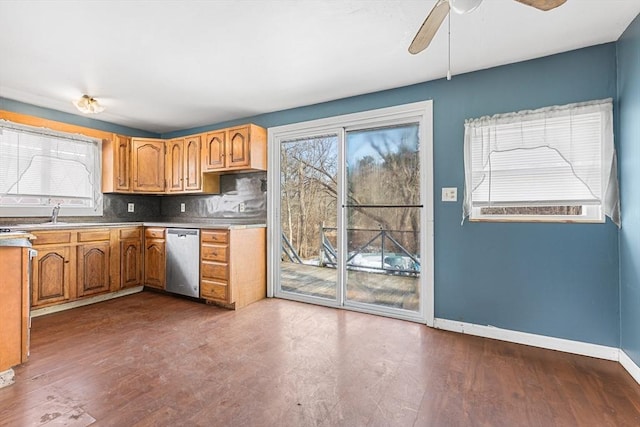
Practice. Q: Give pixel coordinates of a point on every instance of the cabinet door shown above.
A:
(93, 268)
(148, 165)
(213, 153)
(14, 316)
(130, 263)
(154, 263)
(50, 276)
(123, 163)
(238, 147)
(192, 174)
(175, 165)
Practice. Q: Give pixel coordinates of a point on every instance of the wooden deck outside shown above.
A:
(373, 288)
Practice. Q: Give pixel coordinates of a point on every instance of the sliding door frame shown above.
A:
(419, 112)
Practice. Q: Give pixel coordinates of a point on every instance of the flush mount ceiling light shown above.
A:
(88, 105)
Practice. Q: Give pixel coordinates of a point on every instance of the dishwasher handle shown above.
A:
(182, 232)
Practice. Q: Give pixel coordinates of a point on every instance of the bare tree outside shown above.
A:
(308, 182)
(388, 176)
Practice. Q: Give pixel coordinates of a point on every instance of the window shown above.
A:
(552, 164)
(40, 168)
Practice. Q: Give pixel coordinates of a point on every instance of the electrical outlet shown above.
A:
(449, 194)
(130, 207)
(241, 207)
(182, 207)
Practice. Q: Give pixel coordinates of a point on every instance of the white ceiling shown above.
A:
(172, 65)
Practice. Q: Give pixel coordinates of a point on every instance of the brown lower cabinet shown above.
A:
(233, 266)
(14, 316)
(130, 256)
(93, 262)
(154, 257)
(51, 276)
(74, 264)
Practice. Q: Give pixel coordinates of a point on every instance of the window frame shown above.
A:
(590, 214)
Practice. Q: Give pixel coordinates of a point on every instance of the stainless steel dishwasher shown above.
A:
(183, 261)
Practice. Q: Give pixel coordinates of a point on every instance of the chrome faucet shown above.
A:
(54, 213)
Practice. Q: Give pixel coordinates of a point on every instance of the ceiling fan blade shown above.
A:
(543, 4)
(429, 27)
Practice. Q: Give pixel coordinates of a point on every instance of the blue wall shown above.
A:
(558, 280)
(629, 141)
(59, 116)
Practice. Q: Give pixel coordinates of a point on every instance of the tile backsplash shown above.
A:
(145, 208)
(242, 197)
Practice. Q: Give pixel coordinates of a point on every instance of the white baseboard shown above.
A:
(85, 301)
(551, 343)
(628, 364)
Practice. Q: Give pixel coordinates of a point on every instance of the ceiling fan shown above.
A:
(440, 11)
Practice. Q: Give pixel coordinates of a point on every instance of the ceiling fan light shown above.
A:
(464, 6)
(88, 105)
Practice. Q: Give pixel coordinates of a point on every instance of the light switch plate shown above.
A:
(241, 207)
(449, 194)
(182, 207)
(130, 207)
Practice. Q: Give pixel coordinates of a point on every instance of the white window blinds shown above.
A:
(42, 167)
(555, 156)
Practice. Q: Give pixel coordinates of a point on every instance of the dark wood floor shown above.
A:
(155, 360)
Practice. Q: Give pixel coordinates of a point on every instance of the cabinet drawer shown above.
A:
(130, 233)
(214, 270)
(214, 290)
(46, 238)
(214, 253)
(215, 236)
(93, 235)
(154, 232)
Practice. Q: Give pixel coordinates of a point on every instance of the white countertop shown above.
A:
(16, 238)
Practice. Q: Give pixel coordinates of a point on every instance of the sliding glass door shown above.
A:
(383, 217)
(352, 206)
(308, 216)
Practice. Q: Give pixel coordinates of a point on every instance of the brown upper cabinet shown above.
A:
(148, 159)
(174, 165)
(190, 164)
(183, 165)
(116, 164)
(233, 149)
